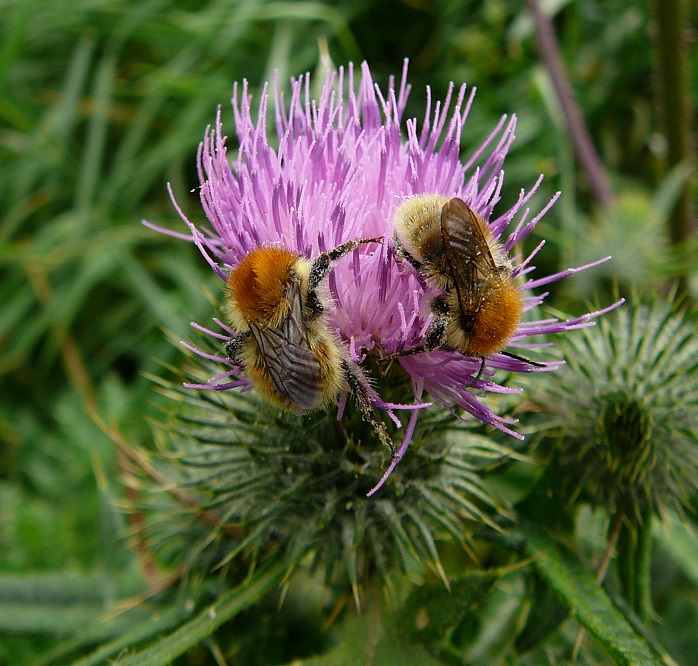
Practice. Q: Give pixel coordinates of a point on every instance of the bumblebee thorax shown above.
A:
(259, 287)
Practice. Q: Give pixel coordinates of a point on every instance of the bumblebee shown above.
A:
(284, 344)
(452, 248)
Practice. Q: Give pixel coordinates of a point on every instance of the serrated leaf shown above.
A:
(575, 585)
(154, 624)
(545, 617)
(431, 611)
(203, 625)
(54, 620)
(53, 589)
(370, 640)
(681, 541)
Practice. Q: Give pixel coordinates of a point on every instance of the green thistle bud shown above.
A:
(626, 406)
(624, 435)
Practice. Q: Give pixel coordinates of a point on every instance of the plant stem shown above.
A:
(674, 106)
(601, 571)
(634, 549)
(583, 145)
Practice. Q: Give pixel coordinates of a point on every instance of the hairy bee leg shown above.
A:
(324, 263)
(402, 254)
(321, 268)
(363, 401)
(412, 351)
(233, 348)
(434, 337)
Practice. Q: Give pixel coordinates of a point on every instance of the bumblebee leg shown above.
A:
(233, 348)
(402, 253)
(521, 358)
(504, 353)
(363, 402)
(324, 264)
(435, 336)
(412, 351)
(475, 379)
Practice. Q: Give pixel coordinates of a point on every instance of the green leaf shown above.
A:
(204, 624)
(575, 585)
(431, 611)
(371, 639)
(681, 541)
(59, 605)
(55, 589)
(545, 617)
(36, 618)
(152, 624)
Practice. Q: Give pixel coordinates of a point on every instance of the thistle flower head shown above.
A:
(627, 404)
(335, 171)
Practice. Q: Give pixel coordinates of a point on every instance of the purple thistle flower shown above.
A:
(341, 169)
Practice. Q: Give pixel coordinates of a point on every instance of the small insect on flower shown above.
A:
(283, 341)
(452, 249)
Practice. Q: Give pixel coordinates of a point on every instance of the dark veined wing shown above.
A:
(468, 255)
(293, 367)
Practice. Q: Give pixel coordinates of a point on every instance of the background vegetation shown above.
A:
(102, 102)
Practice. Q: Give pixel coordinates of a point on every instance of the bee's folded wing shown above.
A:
(293, 367)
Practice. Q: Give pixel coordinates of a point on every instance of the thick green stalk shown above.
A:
(674, 107)
(634, 551)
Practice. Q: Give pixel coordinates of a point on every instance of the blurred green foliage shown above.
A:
(103, 102)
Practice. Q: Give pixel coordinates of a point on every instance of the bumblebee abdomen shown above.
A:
(298, 374)
(331, 377)
(497, 319)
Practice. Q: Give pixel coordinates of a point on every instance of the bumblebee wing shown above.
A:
(466, 247)
(468, 256)
(293, 367)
